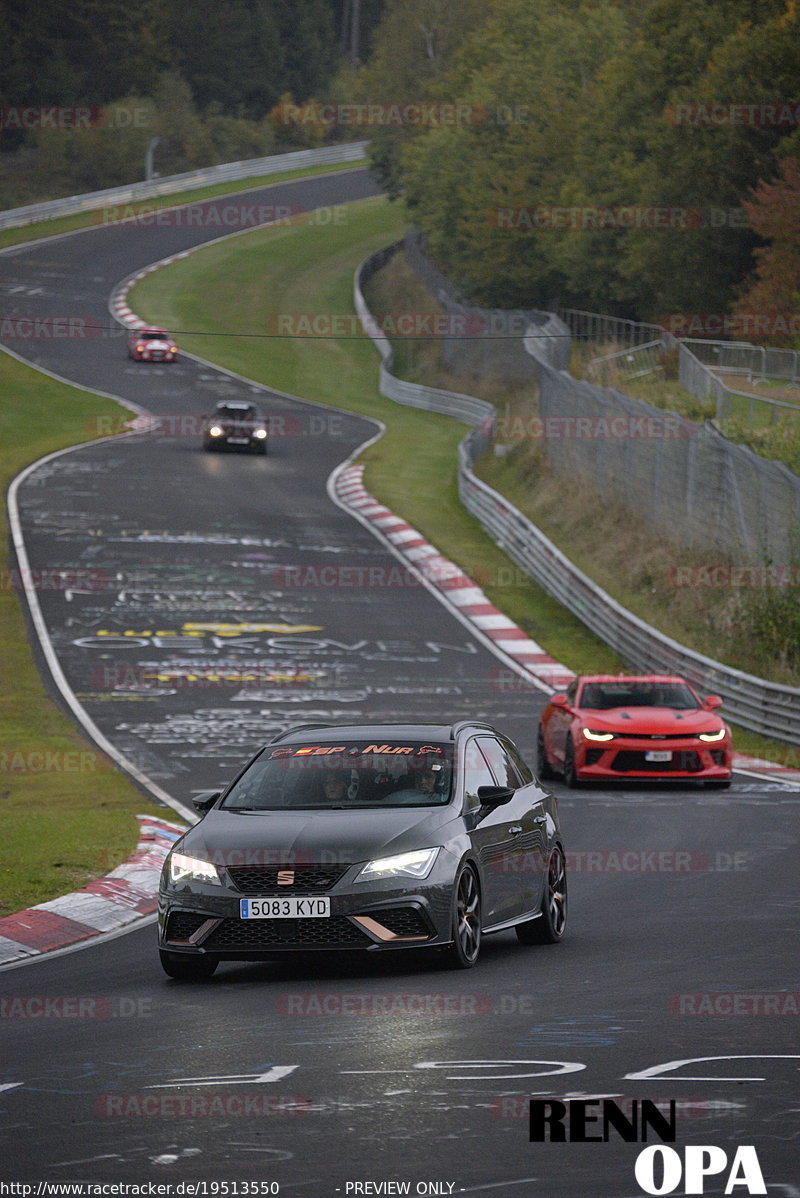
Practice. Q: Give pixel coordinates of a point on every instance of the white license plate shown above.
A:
(285, 908)
(658, 755)
(239, 440)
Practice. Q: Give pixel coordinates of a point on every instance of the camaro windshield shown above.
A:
(601, 696)
(345, 775)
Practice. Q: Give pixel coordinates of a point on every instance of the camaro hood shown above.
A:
(237, 838)
(651, 720)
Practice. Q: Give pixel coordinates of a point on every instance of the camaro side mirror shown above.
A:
(712, 701)
(559, 701)
(205, 800)
(495, 796)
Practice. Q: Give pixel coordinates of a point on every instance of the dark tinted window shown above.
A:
(502, 766)
(601, 696)
(348, 774)
(476, 773)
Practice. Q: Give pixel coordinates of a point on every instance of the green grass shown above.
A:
(87, 220)
(63, 825)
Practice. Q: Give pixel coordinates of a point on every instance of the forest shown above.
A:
(635, 157)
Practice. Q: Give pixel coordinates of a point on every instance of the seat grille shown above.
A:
(265, 933)
(264, 879)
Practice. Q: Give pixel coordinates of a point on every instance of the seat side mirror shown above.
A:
(495, 796)
(205, 800)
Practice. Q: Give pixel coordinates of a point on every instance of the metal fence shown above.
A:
(742, 357)
(594, 326)
(224, 173)
(753, 703)
(497, 340)
(755, 411)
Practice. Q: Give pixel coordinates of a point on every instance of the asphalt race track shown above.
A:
(204, 616)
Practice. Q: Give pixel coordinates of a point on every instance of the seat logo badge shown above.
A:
(286, 877)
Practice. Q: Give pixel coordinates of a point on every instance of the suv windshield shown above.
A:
(344, 775)
(230, 412)
(601, 696)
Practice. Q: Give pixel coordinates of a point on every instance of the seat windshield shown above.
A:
(602, 696)
(346, 775)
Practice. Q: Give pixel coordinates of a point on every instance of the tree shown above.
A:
(774, 214)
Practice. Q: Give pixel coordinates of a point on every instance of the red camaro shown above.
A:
(648, 726)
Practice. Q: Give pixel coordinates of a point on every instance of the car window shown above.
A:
(476, 773)
(349, 774)
(524, 771)
(501, 764)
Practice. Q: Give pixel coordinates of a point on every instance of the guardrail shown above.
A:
(226, 172)
(751, 702)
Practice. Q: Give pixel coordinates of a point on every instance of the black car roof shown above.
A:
(443, 733)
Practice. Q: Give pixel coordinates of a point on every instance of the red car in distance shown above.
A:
(151, 345)
(641, 726)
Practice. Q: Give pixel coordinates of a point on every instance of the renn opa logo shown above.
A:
(659, 1169)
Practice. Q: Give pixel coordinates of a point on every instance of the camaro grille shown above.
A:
(656, 735)
(266, 879)
(683, 761)
(264, 933)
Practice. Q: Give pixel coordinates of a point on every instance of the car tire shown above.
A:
(465, 921)
(570, 773)
(718, 784)
(187, 969)
(548, 928)
(544, 769)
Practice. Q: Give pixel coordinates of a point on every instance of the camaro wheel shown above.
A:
(463, 952)
(570, 773)
(187, 969)
(543, 766)
(549, 927)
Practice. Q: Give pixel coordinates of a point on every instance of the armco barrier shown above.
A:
(751, 702)
(226, 172)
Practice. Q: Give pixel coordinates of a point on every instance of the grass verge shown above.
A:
(66, 816)
(241, 284)
(87, 220)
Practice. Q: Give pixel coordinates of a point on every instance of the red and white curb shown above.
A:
(120, 898)
(456, 587)
(476, 609)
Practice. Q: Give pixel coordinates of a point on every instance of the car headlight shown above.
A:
(215, 431)
(590, 735)
(260, 433)
(417, 864)
(712, 736)
(182, 867)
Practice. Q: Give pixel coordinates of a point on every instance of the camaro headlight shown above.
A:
(587, 732)
(215, 431)
(260, 433)
(712, 736)
(405, 865)
(181, 866)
